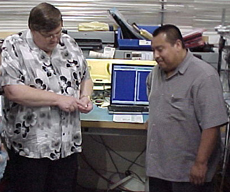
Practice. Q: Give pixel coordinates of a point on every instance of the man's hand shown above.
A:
(67, 103)
(85, 105)
(198, 173)
(208, 142)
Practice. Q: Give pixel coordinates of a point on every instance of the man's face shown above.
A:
(165, 54)
(47, 41)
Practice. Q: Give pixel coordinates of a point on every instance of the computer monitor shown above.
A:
(128, 84)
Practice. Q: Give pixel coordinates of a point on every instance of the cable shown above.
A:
(134, 162)
(103, 177)
(86, 161)
(109, 155)
(132, 172)
(128, 172)
(117, 153)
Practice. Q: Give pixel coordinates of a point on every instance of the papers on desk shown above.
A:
(128, 118)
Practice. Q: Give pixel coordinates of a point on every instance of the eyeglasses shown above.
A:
(50, 36)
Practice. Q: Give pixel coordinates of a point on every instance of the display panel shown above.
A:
(128, 84)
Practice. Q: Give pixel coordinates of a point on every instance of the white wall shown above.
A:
(185, 13)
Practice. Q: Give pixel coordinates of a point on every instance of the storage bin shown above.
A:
(135, 44)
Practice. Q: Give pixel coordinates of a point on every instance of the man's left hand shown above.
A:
(85, 105)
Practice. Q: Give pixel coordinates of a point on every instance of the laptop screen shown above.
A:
(128, 84)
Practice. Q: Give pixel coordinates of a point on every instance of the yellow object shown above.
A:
(100, 69)
(93, 26)
(146, 34)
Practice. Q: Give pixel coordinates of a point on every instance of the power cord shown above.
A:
(103, 177)
(134, 163)
(103, 142)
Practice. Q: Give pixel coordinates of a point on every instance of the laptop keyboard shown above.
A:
(128, 109)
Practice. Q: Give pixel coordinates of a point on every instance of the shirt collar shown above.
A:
(29, 38)
(184, 64)
(32, 45)
(182, 67)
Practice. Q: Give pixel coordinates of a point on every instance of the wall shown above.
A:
(187, 14)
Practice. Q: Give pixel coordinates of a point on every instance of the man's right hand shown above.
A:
(67, 103)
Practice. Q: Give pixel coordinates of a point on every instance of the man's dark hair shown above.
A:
(172, 34)
(44, 17)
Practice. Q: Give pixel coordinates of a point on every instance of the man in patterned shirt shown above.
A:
(46, 85)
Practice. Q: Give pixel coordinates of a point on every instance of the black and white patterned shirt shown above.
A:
(39, 132)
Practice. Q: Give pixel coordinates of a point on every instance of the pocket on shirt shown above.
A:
(181, 108)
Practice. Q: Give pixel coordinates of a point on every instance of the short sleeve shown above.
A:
(11, 69)
(209, 104)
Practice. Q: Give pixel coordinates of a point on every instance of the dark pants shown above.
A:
(159, 185)
(42, 175)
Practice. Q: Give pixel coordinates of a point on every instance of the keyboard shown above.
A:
(128, 109)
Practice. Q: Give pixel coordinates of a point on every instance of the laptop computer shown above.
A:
(128, 88)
